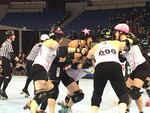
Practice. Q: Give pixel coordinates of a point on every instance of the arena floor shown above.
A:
(15, 102)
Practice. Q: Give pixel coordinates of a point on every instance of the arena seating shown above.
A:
(92, 18)
(33, 20)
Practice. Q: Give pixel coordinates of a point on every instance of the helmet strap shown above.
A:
(120, 34)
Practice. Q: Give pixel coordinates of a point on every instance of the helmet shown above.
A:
(106, 34)
(10, 32)
(56, 33)
(144, 43)
(44, 37)
(122, 27)
(86, 33)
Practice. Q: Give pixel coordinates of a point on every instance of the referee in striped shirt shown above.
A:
(6, 54)
(29, 61)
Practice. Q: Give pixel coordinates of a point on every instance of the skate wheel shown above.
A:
(26, 107)
(21, 93)
(3, 98)
(26, 96)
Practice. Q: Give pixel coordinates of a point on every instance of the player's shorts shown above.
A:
(141, 72)
(38, 72)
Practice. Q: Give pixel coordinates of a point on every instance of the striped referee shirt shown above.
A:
(6, 49)
(34, 52)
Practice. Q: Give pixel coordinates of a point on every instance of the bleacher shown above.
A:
(33, 20)
(104, 17)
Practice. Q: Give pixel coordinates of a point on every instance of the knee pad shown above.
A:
(124, 99)
(67, 98)
(53, 93)
(40, 96)
(148, 92)
(77, 96)
(146, 85)
(135, 93)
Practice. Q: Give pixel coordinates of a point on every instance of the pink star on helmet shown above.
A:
(86, 31)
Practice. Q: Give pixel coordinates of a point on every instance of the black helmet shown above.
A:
(144, 43)
(56, 33)
(106, 34)
(86, 33)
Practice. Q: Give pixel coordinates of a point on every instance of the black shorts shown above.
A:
(141, 72)
(38, 72)
(66, 80)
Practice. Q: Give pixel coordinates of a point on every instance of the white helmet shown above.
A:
(44, 37)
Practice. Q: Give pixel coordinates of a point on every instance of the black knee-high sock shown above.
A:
(44, 105)
(1, 80)
(29, 79)
(6, 82)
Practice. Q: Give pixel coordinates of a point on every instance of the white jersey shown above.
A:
(134, 57)
(106, 53)
(45, 57)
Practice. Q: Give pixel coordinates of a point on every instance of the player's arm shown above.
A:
(90, 56)
(12, 54)
(125, 44)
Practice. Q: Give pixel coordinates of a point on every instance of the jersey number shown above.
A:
(107, 51)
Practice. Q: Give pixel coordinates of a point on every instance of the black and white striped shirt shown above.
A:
(34, 52)
(6, 49)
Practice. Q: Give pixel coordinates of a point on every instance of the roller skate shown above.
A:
(40, 111)
(27, 106)
(25, 92)
(127, 111)
(3, 95)
(32, 106)
(148, 103)
(64, 108)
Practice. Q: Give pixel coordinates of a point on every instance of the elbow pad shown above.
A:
(62, 51)
(133, 37)
(127, 44)
(69, 58)
(135, 41)
(75, 65)
(122, 58)
(12, 55)
(88, 63)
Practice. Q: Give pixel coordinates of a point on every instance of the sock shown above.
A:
(6, 82)
(1, 80)
(27, 82)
